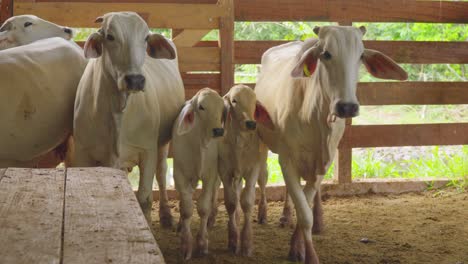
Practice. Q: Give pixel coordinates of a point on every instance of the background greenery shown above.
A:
(409, 162)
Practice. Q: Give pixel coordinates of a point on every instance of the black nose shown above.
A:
(346, 110)
(218, 132)
(135, 82)
(68, 31)
(251, 124)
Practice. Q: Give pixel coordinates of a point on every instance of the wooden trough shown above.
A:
(72, 216)
(211, 63)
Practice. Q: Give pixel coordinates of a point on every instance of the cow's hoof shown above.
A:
(246, 251)
(296, 256)
(233, 247)
(211, 221)
(166, 221)
(285, 221)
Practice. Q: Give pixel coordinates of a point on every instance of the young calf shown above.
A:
(240, 158)
(195, 158)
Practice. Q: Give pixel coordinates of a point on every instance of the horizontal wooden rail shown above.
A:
(370, 136)
(416, 52)
(352, 10)
(160, 15)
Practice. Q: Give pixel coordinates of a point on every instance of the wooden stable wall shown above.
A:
(211, 63)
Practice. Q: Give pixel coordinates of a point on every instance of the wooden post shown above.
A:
(6, 10)
(343, 162)
(226, 41)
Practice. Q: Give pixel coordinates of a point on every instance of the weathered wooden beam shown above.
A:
(370, 136)
(343, 161)
(329, 188)
(103, 220)
(416, 52)
(6, 10)
(226, 41)
(160, 15)
(189, 37)
(352, 10)
(31, 214)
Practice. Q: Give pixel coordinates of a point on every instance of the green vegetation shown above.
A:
(431, 161)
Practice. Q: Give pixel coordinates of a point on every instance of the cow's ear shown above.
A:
(159, 47)
(262, 116)
(93, 46)
(6, 26)
(227, 110)
(307, 64)
(381, 66)
(186, 120)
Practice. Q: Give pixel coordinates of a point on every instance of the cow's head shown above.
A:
(123, 41)
(244, 109)
(24, 29)
(335, 58)
(204, 111)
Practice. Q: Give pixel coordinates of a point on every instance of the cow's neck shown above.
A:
(316, 103)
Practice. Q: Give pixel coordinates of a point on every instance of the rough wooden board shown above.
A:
(31, 214)
(189, 37)
(226, 40)
(370, 186)
(2, 171)
(367, 136)
(194, 16)
(352, 10)
(199, 55)
(417, 52)
(103, 221)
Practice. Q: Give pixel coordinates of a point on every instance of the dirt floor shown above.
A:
(430, 227)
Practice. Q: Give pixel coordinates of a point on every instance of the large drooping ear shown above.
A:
(93, 46)
(262, 116)
(99, 19)
(159, 47)
(381, 66)
(307, 64)
(5, 27)
(187, 119)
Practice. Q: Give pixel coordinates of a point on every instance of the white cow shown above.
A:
(195, 158)
(309, 88)
(241, 158)
(24, 29)
(127, 102)
(38, 87)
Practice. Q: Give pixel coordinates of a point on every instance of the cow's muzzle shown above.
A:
(346, 110)
(250, 125)
(218, 132)
(135, 82)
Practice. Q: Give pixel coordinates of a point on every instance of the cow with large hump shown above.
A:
(309, 88)
(24, 29)
(38, 84)
(127, 101)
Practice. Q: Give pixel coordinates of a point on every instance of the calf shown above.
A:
(127, 102)
(240, 157)
(310, 88)
(24, 29)
(195, 158)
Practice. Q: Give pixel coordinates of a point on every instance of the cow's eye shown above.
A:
(27, 24)
(110, 37)
(201, 107)
(234, 101)
(327, 55)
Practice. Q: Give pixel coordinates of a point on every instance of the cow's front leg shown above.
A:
(318, 226)
(165, 216)
(184, 188)
(262, 203)
(231, 201)
(286, 217)
(247, 203)
(303, 213)
(145, 187)
(204, 207)
(214, 201)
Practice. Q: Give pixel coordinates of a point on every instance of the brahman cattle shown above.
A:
(38, 84)
(309, 88)
(195, 153)
(127, 100)
(241, 158)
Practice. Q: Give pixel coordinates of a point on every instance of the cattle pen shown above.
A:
(207, 63)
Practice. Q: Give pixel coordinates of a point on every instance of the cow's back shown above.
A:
(38, 86)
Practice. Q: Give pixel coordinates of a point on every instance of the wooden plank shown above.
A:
(199, 81)
(401, 93)
(31, 214)
(199, 67)
(81, 14)
(369, 136)
(226, 39)
(199, 55)
(417, 52)
(103, 221)
(129, 1)
(352, 10)
(276, 193)
(6, 10)
(189, 37)
(343, 165)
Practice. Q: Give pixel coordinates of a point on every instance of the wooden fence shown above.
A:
(211, 63)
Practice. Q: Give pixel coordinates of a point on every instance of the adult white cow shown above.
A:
(127, 102)
(24, 29)
(38, 87)
(305, 86)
